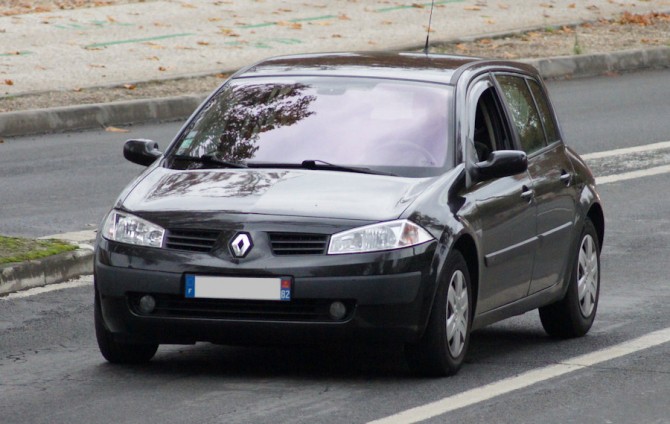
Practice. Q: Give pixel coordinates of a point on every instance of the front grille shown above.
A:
(171, 306)
(193, 240)
(298, 244)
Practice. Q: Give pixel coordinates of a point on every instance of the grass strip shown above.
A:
(16, 249)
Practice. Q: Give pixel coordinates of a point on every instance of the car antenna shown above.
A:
(430, 20)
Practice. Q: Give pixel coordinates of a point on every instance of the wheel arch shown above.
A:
(597, 216)
(466, 245)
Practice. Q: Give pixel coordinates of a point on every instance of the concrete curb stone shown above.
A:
(61, 119)
(50, 270)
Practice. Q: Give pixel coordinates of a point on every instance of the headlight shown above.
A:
(384, 236)
(127, 228)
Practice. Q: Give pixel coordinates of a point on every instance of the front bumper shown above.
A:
(388, 296)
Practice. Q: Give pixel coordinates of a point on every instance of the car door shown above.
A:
(504, 211)
(551, 172)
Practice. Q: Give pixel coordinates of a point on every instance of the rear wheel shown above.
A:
(441, 350)
(574, 314)
(116, 352)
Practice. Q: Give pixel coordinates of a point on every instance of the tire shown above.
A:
(442, 348)
(115, 352)
(573, 315)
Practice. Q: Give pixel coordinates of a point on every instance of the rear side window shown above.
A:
(523, 112)
(545, 111)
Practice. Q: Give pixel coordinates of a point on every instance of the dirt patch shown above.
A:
(21, 7)
(629, 31)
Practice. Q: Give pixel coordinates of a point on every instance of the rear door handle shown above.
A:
(527, 193)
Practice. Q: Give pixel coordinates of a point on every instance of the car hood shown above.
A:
(308, 193)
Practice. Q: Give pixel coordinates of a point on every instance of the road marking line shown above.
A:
(84, 281)
(526, 379)
(633, 174)
(137, 40)
(627, 150)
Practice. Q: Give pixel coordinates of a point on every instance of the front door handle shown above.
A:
(566, 177)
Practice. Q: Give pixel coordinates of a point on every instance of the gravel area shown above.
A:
(629, 31)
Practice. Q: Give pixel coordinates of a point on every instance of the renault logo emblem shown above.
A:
(241, 245)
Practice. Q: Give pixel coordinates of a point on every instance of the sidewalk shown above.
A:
(167, 39)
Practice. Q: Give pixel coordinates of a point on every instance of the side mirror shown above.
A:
(142, 152)
(501, 163)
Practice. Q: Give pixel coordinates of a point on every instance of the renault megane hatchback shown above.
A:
(396, 197)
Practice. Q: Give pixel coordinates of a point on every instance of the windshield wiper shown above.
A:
(212, 158)
(320, 164)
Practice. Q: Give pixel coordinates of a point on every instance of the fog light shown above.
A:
(147, 304)
(337, 310)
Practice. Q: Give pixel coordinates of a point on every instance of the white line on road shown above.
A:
(82, 281)
(524, 380)
(627, 150)
(633, 174)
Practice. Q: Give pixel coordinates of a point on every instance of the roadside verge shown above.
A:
(51, 269)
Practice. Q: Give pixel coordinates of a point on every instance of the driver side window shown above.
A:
(489, 131)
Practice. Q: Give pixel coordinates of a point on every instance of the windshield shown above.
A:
(397, 126)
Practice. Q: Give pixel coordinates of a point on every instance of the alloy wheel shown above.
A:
(457, 313)
(587, 275)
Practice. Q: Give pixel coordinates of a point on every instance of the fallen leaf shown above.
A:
(343, 17)
(214, 19)
(9, 82)
(572, 5)
(162, 68)
(222, 76)
(228, 32)
(189, 6)
(472, 8)
(152, 58)
(336, 36)
(77, 89)
(292, 25)
(129, 86)
(203, 43)
(116, 130)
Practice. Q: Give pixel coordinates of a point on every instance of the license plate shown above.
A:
(246, 288)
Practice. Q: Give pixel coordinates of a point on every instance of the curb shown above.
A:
(60, 119)
(40, 121)
(599, 63)
(52, 269)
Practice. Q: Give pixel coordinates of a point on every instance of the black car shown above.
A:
(371, 197)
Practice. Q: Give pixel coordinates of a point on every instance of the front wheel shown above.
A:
(116, 352)
(442, 349)
(574, 314)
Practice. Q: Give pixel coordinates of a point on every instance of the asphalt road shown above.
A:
(51, 371)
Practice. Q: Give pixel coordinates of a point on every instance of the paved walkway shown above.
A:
(66, 50)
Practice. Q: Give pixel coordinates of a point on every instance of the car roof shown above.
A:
(397, 65)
